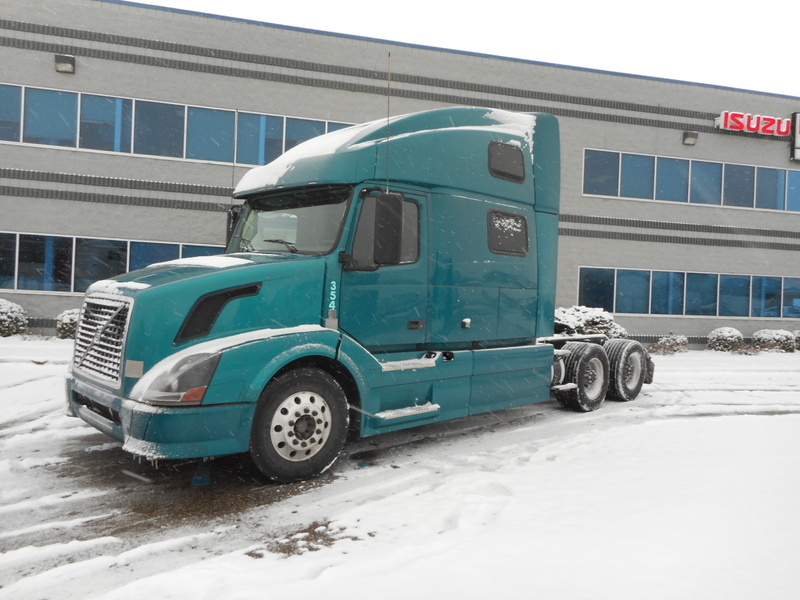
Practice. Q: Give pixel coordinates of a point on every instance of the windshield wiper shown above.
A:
(292, 248)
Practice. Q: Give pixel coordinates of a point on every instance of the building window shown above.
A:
(734, 295)
(209, 134)
(632, 291)
(770, 188)
(700, 294)
(616, 174)
(638, 176)
(45, 263)
(601, 173)
(159, 129)
(739, 186)
(793, 191)
(193, 251)
(259, 139)
(106, 123)
(766, 297)
(10, 112)
(8, 260)
(144, 254)
(596, 288)
(51, 117)
(706, 183)
(668, 292)
(336, 126)
(672, 179)
(98, 259)
(791, 297)
(301, 130)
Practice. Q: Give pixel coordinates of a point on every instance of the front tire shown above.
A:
(586, 366)
(300, 425)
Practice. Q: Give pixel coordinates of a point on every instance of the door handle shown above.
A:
(416, 325)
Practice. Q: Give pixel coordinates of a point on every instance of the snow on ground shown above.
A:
(689, 492)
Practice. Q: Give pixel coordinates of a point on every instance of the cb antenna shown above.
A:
(388, 113)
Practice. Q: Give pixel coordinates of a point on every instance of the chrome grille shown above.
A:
(101, 337)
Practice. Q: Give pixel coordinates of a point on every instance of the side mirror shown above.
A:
(233, 218)
(388, 229)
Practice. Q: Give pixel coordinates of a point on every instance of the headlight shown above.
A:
(184, 381)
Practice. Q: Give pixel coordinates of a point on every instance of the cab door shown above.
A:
(384, 307)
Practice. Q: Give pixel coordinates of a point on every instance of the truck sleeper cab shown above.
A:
(384, 276)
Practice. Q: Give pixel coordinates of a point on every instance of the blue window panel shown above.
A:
(332, 126)
(601, 173)
(259, 139)
(302, 130)
(706, 183)
(596, 288)
(98, 259)
(638, 176)
(672, 179)
(633, 291)
(8, 260)
(10, 112)
(209, 134)
(667, 293)
(192, 251)
(734, 295)
(739, 186)
(791, 298)
(158, 129)
(106, 123)
(701, 294)
(766, 297)
(770, 188)
(144, 254)
(51, 118)
(45, 263)
(793, 192)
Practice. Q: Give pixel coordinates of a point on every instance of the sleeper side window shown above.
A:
(508, 233)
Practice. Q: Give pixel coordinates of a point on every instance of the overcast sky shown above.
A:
(740, 45)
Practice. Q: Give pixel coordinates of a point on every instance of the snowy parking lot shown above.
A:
(691, 491)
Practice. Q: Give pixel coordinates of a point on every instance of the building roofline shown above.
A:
(447, 50)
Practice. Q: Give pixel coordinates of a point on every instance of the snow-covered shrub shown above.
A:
(584, 320)
(12, 319)
(66, 323)
(796, 334)
(724, 339)
(776, 340)
(670, 344)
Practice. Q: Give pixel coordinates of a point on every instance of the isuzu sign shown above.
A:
(737, 121)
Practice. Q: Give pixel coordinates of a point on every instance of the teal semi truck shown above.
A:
(388, 275)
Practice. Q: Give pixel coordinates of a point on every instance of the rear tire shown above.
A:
(587, 367)
(628, 360)
(300, 425)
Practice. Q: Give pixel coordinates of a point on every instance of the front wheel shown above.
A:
(300, 425)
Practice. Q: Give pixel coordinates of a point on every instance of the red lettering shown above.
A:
(739, 121)
(753, 123)
(736, 121)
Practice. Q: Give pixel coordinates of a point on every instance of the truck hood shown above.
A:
(224, 266)
(181, 303)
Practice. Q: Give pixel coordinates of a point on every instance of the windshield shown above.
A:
(303, 221)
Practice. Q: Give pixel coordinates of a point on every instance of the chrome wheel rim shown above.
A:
(300, 426)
